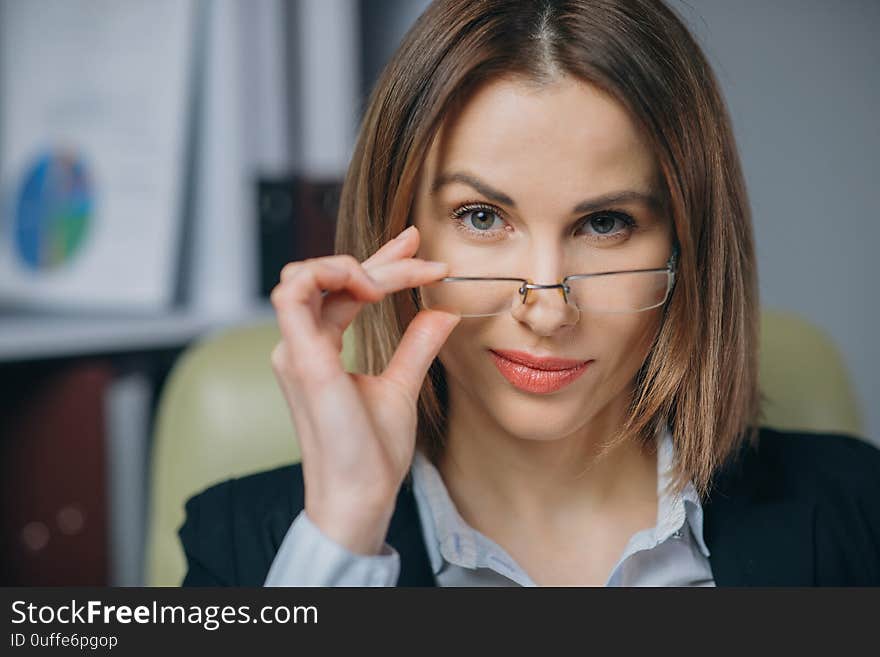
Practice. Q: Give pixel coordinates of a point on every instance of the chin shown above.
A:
(541, 432)
(529, 416)
(544, 418)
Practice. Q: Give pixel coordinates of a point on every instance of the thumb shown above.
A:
(420, 344)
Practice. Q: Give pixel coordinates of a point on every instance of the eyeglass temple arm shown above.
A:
(672, 263)
(673, 259)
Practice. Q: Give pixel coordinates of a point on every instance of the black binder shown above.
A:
(297, 220)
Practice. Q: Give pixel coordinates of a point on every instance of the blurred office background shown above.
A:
(161, 160)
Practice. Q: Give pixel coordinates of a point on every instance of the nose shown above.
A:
(545, 309)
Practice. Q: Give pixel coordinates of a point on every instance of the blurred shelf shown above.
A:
(36, 336)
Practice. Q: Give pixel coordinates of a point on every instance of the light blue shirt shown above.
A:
(672, 553)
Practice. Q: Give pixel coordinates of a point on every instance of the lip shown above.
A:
(538, 363)
(537, 375)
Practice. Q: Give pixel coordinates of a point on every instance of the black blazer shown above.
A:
(800, 510)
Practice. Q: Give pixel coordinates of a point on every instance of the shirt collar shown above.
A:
(447, 534)
(674, 510)
(449, 537)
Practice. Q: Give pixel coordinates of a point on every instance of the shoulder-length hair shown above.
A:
(700, 375)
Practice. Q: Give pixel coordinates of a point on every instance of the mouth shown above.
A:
(537, 375)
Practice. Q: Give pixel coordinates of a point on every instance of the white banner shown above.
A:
(94, 96)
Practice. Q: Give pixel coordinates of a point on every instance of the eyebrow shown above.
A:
(588, 205)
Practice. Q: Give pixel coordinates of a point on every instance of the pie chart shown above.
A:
(53, 211)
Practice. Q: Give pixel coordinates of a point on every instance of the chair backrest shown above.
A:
(803, 377)
(221, 414)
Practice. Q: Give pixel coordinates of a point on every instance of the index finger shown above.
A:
(402, 246)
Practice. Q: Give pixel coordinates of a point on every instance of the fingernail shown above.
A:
(451, 320)
(436, 264)
(405, 232)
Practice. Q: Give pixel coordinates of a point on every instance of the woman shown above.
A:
(558, 376)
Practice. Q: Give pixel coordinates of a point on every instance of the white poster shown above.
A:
(94, 101)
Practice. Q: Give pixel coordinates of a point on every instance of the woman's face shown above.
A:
(514, 164)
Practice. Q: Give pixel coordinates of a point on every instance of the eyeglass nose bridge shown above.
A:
(528, 285)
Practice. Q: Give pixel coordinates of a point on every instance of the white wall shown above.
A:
(801, 78)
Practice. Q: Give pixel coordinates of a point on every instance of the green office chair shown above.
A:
(221, 415)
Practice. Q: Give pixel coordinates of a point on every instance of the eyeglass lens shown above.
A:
(606, 293)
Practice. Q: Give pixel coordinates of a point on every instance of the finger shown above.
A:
(391, 277)
(342, 273)
(340, 310)
(292, 268)
(298, 300)
(402, 246)
(420, 344)
(407, 273)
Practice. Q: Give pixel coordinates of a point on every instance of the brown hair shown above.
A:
(701, 373)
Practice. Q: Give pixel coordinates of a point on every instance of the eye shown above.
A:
(477, 220)
(609, 225)
(482, 221)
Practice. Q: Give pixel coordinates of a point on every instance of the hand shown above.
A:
(356, 432)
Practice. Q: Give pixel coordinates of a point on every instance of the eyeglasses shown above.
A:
(628, 291)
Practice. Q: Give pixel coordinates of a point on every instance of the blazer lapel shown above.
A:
(756, 535)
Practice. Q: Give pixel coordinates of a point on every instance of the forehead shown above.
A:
(568, 136)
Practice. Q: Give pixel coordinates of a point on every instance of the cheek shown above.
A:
(462, 351)
(469, 369)
(624, 341)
